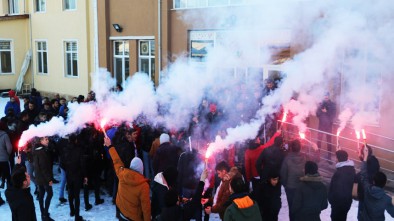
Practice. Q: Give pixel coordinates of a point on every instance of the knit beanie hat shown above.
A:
(136, 165)
(164, 138)
(310, 168)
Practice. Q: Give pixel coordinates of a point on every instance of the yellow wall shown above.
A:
(21, 42)
(56, 26)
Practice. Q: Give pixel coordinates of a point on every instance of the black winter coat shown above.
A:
(188, 177)
(310, 199)
(166, 155)
(269, 160)
(326, 119)
(42, 165)
(341, 186)
(271, 201)
(75, 162)
(21, 203)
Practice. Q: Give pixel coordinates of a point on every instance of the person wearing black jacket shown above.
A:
(75, 167)
(43, 170)
(270, 159)
(341, 186)
(189, 206)
(91, 140)
(326, 114)
(270, 198)
(19, 197)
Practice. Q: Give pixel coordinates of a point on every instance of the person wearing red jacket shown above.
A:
(251, 155)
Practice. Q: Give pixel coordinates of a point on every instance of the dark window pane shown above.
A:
(39, 62)
(45, 64)
(6, 62)
(118, 70)
(69, 65)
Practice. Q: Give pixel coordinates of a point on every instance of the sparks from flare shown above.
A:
(102, 125)
(358, 138)
(338, 132)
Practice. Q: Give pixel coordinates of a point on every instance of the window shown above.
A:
(146, 58)
(71, 59)
(5, 57)
(40, 5)
(13, 6)
(42, 57)
(121, 61)
(69, 4)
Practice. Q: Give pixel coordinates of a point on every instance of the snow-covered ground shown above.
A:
(106, 211)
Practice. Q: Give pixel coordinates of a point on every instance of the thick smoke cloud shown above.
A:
(341, 47)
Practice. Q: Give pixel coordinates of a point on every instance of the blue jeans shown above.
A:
(148, 170)
(30, 171)
(62, 183)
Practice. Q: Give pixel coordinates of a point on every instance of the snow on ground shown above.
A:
(106, 211)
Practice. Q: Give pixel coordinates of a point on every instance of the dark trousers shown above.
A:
(339, 213)
(5, 172)
(290, 192)
(328, 139)
(256, 193)
(42, 189)
(74, 187)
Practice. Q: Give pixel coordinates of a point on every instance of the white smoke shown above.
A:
(331, 43)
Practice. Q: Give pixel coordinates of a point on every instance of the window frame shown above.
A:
(151, 73)
(11, 5)
(11, 57)
(69, 9)
(123, 57)
(36, 4)
(65, 52)
(37, 54)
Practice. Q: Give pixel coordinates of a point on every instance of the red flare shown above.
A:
(208, 154)
(103, 123)
(302, 135)
(364, 136)
(358, 134)
(338, 132)
(21, 143)
(284, 116)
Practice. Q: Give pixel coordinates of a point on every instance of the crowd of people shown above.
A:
(156, 173)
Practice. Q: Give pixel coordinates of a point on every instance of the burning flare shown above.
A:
(364, 136)
(284, 116)
(102, 125)
(302, 135)
(21, 143)
(358, 134)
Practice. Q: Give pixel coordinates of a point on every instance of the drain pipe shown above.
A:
(159, 38)
(95, 26)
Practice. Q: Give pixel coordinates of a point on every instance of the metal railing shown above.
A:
(351, 146)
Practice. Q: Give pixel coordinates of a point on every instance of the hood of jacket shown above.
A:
(296, 158)
(314, 181)
(244, 207)
(345, 163)
(377, 192)
(133, 178)
(2, 133)
(159, 178)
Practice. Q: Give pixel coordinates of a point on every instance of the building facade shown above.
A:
(60, 36)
